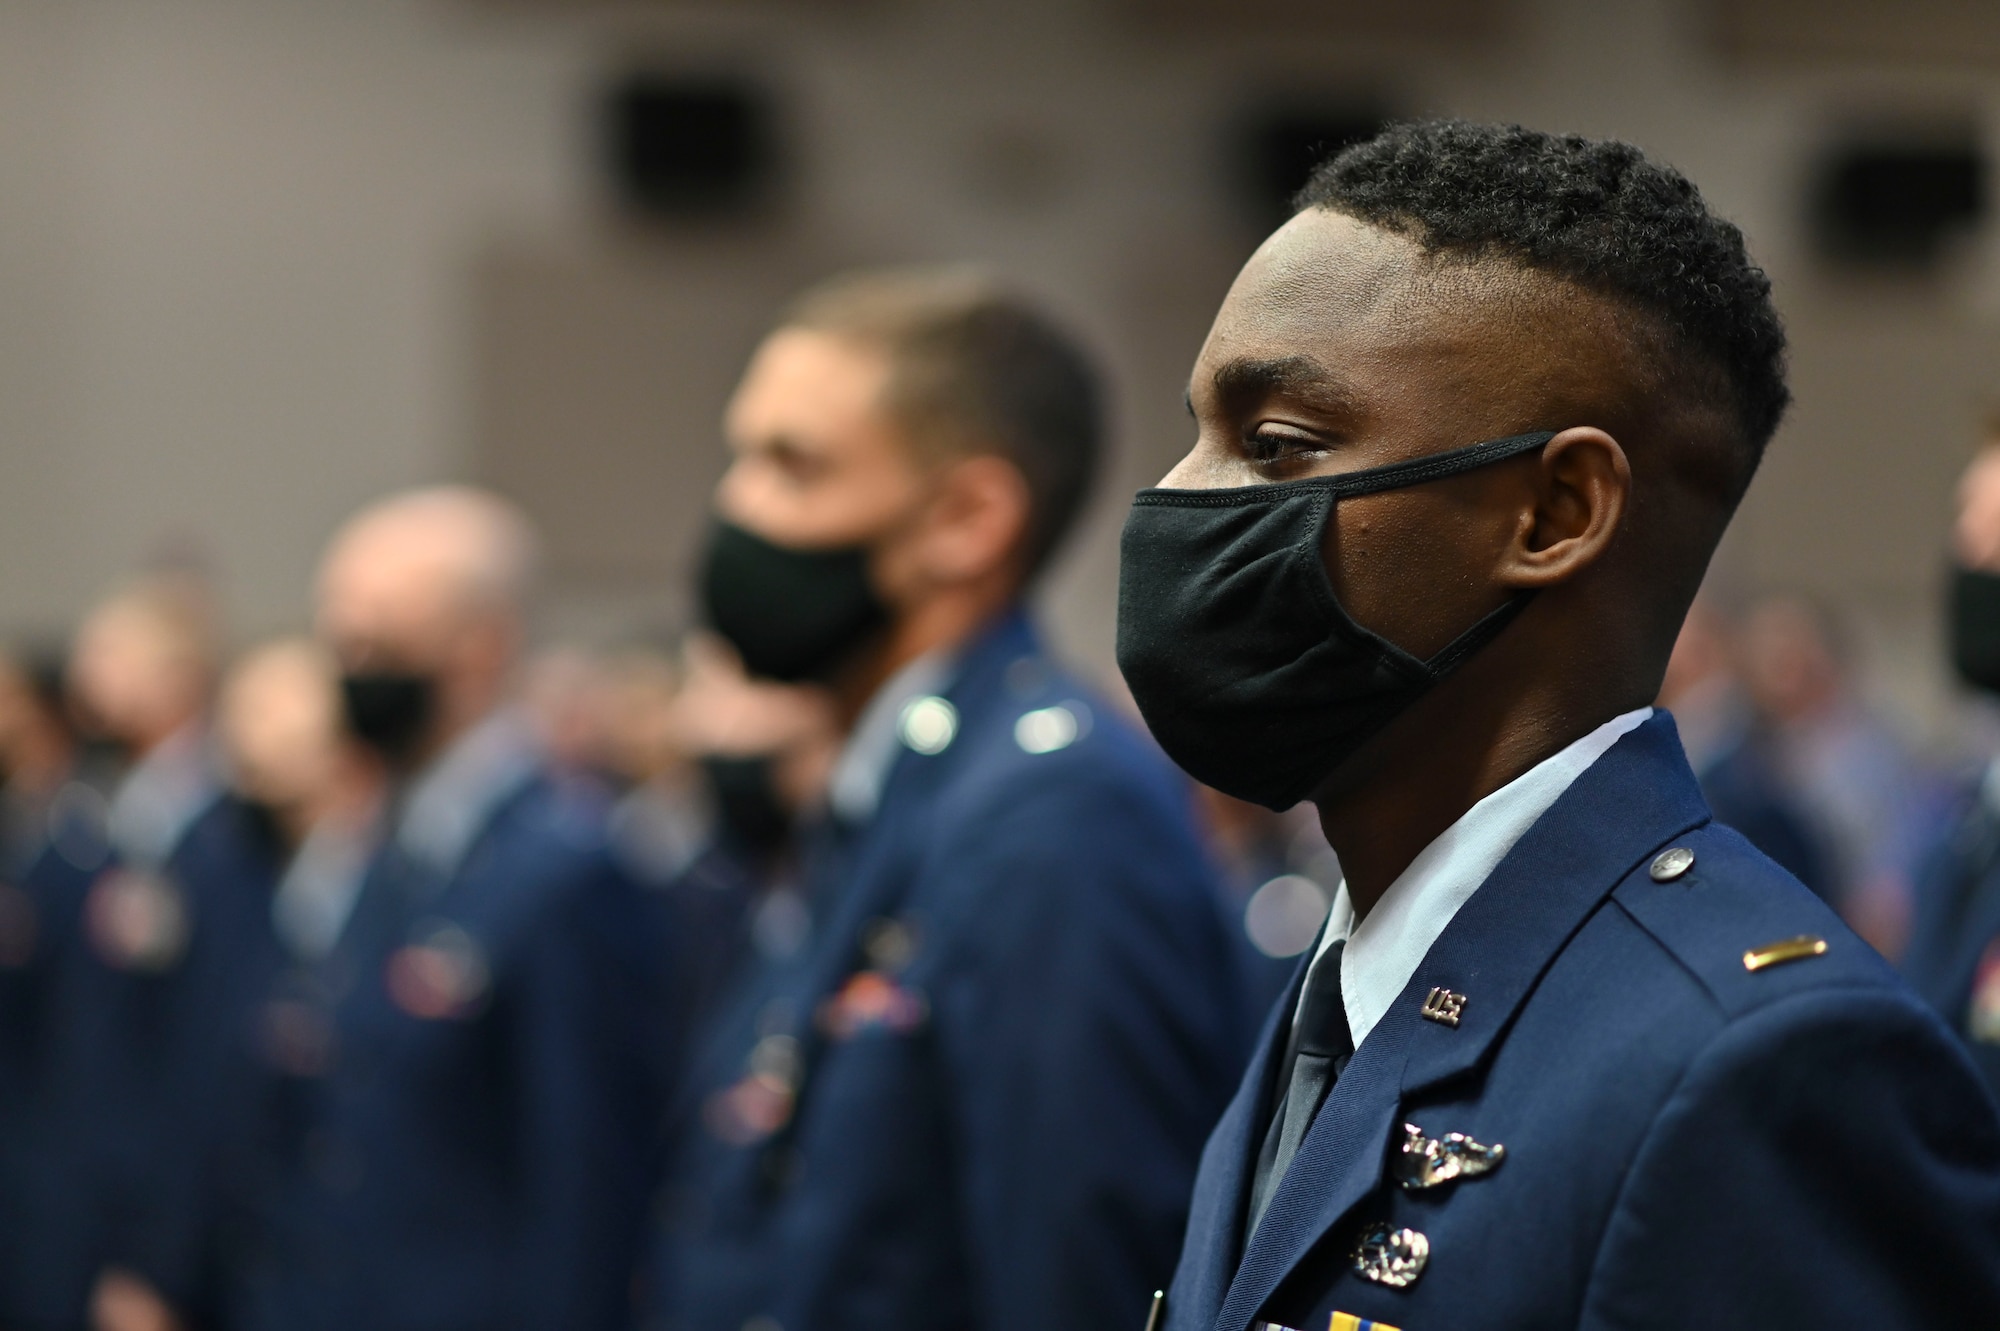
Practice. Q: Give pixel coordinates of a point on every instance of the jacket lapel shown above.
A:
(1222, 1185)
(1635, 798)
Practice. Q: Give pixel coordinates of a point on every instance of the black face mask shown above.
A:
(101, 758)
(264, 826)
(746, 802)
(390, 711)
(792, 615)
(1973, 619)
(1245, 666)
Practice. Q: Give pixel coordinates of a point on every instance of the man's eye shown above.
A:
(1278, 446)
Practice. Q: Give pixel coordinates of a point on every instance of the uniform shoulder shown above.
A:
(1749, 933)
(1049, 782)
(1047, 730)
(552, 839)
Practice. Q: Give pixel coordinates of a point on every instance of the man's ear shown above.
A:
(1580, 488)
(976, 520)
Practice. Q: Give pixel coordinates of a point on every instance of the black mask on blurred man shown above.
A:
(753, 816)
(1973, 619)
(391, 711)
(792, 615)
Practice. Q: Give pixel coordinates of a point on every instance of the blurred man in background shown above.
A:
(459, 1140)
(709, 772)
(1953, 957)
(1872, 804)
(37, 759)
(975, 1093)
(314, 795)
(1728, 751)
(141, 898)
(1278, 880)
(722, 771)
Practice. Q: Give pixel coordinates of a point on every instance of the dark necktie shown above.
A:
(1318, 1050)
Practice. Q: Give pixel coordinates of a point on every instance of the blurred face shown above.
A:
(816, 462)
(1788, 665)
(132, 675)
(385, 603)
(1976, 533)
(279, 722)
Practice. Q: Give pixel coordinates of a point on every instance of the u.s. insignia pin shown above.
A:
(1443, 1006)
(1392, 1257)
(1425, 1162)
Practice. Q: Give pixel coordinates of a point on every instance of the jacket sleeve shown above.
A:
(1830, 1160)
(1091, 1047)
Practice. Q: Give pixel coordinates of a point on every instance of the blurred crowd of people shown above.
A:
(354, 979)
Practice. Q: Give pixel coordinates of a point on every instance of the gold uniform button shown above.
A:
(1784, 950)
(1671, 864)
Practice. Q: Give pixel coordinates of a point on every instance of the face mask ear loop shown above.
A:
(1437, 466)
(1416, 471)
(1454, 653)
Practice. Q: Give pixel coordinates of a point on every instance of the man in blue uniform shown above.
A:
(974, 1093)
(38, 1288)
(1953, 957)
(456, 1137)
(139, 903)
(1568, 1053)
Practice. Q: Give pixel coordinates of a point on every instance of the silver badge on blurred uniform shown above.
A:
(138, 921)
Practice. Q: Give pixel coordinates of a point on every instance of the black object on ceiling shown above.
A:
(689, 147)
(1279, 145)
(1888, 203)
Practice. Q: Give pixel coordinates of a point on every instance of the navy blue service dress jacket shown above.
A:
(975, 1097)
(48, 1241)
(1696, 1132)
(135, 986)
(454, 1129)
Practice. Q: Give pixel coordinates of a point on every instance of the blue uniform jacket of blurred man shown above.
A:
(146, 930)
(456, 1126)
(46, 1236)
(1688, 1141)
(976, 1095)
(1953, 957)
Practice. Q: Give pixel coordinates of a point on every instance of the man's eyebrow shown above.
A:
(1240, 382)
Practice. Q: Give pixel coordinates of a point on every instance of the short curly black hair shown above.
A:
(1595, 212)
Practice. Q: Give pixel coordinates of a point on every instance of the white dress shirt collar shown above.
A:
(159, 800)
(1384, 950)
(320, 887)
(450, 803)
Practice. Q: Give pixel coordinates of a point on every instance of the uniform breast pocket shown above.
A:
(876, 1102)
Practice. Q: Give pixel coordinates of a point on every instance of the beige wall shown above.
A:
(235, 241)
(258, 261)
